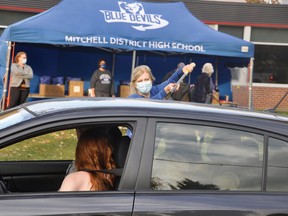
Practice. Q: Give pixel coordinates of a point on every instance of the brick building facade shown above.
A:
(263, 97)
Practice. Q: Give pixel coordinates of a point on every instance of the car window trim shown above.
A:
(148, 150)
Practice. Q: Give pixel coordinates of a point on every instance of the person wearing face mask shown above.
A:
(142, 78)
(102, 83)
(21, 74)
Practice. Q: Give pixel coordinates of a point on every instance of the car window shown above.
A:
(206, 158)
(40, 163)
(277, 172)
(58, 145)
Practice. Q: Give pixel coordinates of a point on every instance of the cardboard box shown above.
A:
(76, 88)
(52, 90)
(124, 90)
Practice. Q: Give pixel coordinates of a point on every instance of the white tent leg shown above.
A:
(6, 76)
(217, 74)
(189, 75)
(250, 82)
(133, 60)
(113, 64)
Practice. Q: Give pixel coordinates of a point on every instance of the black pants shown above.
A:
(102, 94)
(18, 96)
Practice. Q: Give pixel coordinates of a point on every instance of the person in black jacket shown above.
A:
(102, 82)
(204, 87)
(169, 74)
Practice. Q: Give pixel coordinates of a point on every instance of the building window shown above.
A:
(268, 35)
(2, 28)
(270, 64)
(232, 30)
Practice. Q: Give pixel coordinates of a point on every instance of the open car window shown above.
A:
(40, 163)
(59, 145)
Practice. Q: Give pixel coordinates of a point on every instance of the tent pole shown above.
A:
(217, 74)
(113, 64)
(133, 60)
(6, 76)
(250, 82)
(189, 75)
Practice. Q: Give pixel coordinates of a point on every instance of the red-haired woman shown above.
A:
(93, 153)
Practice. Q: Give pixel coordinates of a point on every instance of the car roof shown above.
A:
(42, 107)
(139, 107)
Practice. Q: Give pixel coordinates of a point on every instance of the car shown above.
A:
(173, 158)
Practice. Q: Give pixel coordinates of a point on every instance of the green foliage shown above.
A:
(282, 112)
(53, 146)
(58, 145)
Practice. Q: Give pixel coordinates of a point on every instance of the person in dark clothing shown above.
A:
(169, 74)
(204, 87)
(102, 82)
(182, 93)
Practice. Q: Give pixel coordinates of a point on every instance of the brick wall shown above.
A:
(264, 96)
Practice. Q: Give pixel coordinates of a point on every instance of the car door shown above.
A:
(211, 168)
(25, 198)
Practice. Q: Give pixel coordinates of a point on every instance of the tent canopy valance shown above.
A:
(122, 25)
(126, 25)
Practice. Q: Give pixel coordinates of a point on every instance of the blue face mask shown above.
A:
(144, 87)
(103, 66)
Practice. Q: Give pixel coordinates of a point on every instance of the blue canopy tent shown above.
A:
(123, 25)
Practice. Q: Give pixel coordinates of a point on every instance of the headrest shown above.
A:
(121, 151)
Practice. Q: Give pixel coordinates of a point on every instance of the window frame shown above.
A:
(148, 150)
(37, 128)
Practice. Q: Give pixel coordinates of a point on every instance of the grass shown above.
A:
(58, 145)
(53, 146)
(282, 112)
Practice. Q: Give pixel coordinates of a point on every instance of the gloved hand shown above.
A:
(188, 68)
